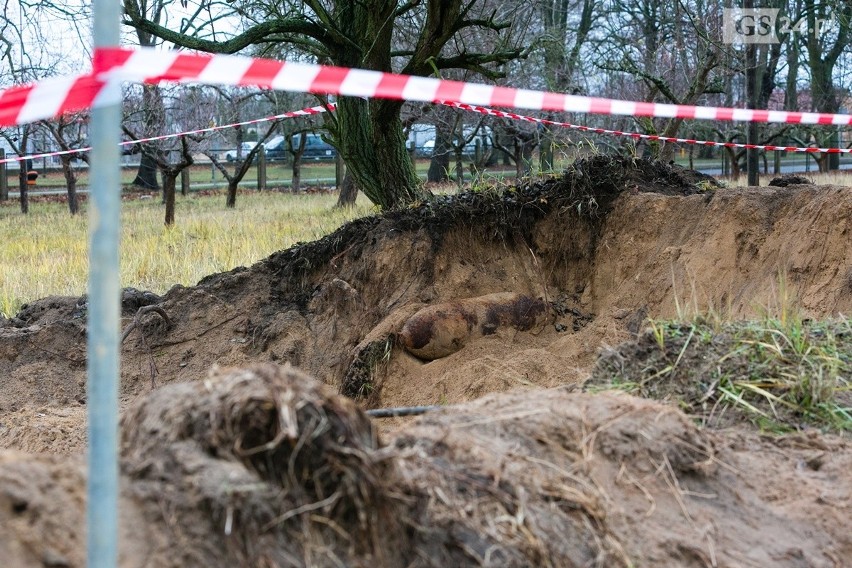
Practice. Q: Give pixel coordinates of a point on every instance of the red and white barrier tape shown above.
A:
(26, 104)
(473, 108)
(48, 98)
(639, 136)
(295, 113)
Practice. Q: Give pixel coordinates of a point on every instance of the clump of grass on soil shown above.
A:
(46, 252)
(782, 374)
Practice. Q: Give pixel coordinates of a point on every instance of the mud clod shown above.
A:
(790, 179)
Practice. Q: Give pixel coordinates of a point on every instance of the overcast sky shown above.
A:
(56, 37)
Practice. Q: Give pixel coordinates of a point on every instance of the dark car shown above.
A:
(276, 148)
(315, 148)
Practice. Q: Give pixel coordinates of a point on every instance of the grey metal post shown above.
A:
(752, 132)
(184, 181)
(261, 170)
(4, 180)
(103, 316)
(338, 172)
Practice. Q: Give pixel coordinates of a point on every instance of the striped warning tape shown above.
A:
(19, 105)
(473, 108)
(639, 136)
(48, 98)
(304, 112)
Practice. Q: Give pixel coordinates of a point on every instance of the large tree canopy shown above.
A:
(415, 37)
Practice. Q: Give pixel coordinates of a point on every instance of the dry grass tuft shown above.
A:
(45, 253)
(782, 374)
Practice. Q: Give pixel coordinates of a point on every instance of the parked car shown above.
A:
(426, 150)
(315, 148)
(276, 148)
(245, 148)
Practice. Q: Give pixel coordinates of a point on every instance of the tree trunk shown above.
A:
(70, 183)
(667, 149)
(154, 118)
(231, 199)
(822, 58)
(735, 164)
(791, 88)
(523, 158)
(23, 188)
(348, 192)
(519, 160)
(545, 151)
(439, 166)
(146, 176)
(4, 177)
(459, 167)
(169, 190)
(296, 153)
(373, 145)
(24, 167)
(296, 178)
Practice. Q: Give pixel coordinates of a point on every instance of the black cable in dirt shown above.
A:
(401, 411)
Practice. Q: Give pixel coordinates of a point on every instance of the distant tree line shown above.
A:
(671, 51)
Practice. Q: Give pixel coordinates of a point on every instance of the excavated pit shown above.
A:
(539, 475)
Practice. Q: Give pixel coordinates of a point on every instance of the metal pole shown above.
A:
(261, 170)
(401, 411)
(751, 71)
(4, 180)
(184, 181)
(103, 317)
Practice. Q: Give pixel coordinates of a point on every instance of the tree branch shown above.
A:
(253, 35)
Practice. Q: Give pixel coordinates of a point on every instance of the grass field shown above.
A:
(203, 176)
(45, 253)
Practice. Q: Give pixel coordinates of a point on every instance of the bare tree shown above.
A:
(156, 11)
(70, 132)
(827, 36)
(20, 66)
(241, 105)
(365, 35)
(673, 47)
(565, 27)
(174, 114)
(516, 140)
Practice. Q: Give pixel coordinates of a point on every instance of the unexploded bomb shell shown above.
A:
(442, 329)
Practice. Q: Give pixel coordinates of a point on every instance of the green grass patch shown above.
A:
(781, 374)
(46, 252)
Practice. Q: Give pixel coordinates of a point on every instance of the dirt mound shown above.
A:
(556, 478)
(267, 456)
(789, 179)
(262, 467)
